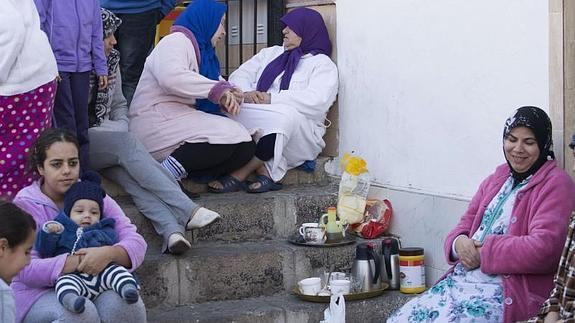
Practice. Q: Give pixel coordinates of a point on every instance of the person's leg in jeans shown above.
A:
(64, 111)
(123, 149)
(80, 86)
(156, 194)
(165, 220)
(112, 308)
(47, 309)
(135, 38)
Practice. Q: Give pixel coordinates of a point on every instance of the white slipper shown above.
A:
(201, 218)
(177, 244)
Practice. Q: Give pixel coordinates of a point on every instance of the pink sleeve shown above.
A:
(465, 224)
(41, 273)
(128, 238)
(538, 251)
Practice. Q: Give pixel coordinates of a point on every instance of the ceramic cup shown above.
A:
(307, 225)
(315, 235)
(310, 286)
(340, 286)
(336, 275)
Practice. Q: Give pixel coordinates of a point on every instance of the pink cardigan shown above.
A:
(40, 275)
(528, 255)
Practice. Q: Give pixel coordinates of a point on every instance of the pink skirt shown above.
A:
(23, 118)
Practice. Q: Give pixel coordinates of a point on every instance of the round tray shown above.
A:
(348, 297)
(298, 240)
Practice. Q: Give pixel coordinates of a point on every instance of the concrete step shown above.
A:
(279, 308)
(217, 271)
(250, 217)
(293, 177)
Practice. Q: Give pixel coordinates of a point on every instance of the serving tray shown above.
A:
(348, 297)
(297, 239)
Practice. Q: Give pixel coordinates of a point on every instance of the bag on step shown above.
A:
(376, 219)
(335, 313)
(353, 189)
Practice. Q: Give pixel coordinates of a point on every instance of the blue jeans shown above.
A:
(120, 156)
(135, 38)
(71, 109)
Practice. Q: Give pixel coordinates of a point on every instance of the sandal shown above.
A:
(229, 184)
(266, 185)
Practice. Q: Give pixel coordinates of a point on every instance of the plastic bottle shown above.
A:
(412, 270)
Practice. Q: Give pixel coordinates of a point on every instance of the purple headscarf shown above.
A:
(307, 24)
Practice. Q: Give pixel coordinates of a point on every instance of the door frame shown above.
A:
(562, 78)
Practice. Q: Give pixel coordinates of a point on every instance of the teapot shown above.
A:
(390, 261)
(366, 268)
(334, 230)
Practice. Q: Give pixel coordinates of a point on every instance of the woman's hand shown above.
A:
(102, 82)
(71, 264)
(257, 97)
(230, 103)
(239, 95)
(468, 252)
(94, 260)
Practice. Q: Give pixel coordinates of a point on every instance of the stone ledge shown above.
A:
(293, 177)
(280, 308)
(247, 216)
(217, 271)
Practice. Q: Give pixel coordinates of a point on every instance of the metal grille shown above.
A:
(250, 26)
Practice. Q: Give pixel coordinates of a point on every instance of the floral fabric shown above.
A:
(467, 296)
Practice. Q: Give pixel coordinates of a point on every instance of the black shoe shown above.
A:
(190, 194)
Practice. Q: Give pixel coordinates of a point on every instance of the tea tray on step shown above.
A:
(297, 239)
(348, 297)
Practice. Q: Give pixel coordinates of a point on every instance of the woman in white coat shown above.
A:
(287, 93)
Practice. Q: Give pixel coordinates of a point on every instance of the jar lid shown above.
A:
(413, 251)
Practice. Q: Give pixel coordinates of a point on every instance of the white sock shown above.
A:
(175, 168)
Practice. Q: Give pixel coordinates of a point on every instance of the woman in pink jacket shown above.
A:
(506, 247)
(55, 157)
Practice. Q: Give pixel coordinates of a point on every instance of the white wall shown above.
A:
(425, 89)
(427, 85)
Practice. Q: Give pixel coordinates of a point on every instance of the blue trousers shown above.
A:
(135, 38)
(71, 109)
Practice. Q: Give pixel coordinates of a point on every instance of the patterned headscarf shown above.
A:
(100, 101)
(537, 120)
(307, 24)
(110, 22)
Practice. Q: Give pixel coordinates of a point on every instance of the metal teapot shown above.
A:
(366, 268)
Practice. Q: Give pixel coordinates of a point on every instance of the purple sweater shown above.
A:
(528, 254)
(74, 29)
(40, 275)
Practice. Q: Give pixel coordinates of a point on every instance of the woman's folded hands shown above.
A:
(468, 252)
(257, 97)
(231, 101)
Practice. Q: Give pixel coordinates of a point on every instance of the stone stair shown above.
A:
(242, 269)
